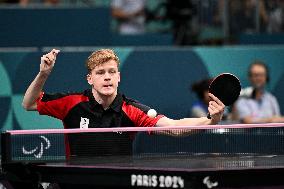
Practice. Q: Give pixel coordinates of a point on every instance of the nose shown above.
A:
(107, 76)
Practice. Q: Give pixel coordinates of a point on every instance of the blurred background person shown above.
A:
(243, 14)
(20, 2)
(256, 104)
(25, 3)
(181, 14)
(275, 15)
(52, 2)
(130, 15)
(199, 107)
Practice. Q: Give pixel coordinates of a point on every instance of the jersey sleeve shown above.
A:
(57, 105)
(46, 106)
(138, 114)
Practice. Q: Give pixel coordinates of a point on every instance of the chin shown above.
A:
(109, 93)
(259, 87)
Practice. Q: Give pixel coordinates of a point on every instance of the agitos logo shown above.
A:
(37, 152)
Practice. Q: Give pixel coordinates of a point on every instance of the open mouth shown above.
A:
(106, 86)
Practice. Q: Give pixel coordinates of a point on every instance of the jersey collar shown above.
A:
(116, 105)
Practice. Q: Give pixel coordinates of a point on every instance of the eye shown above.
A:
(112, 71)
(101, 72)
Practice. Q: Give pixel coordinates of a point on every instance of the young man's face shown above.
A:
(105, 78)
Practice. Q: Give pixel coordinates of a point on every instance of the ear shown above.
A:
(89, 79)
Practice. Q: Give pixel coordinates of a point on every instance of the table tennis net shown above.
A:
(65, 144)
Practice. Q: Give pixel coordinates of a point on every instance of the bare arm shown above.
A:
(216, 109)
(164, 122)
(35, 88)
(274, 119)
(119, 14)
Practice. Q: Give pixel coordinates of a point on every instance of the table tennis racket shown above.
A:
(226, 87)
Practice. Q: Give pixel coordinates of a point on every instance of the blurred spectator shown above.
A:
(189, 18)
(130, 15)
(210, 20)
(26, 2)
(20, 2)
(256, 104)
(200, 88)
(209, 11)
(181, 14)
(275, 15)
(51, 2)
(243, 16)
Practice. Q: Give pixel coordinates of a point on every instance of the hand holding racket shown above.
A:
(48, 61)
(226, 87)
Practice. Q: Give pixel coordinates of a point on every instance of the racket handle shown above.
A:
(208, 116)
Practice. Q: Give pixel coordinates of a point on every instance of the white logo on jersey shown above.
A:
(84, 123)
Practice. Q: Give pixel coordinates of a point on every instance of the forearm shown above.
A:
(193, 121)
(35, 88)
(165, 122)
(273, 119)
(119, 14)
(33, 91)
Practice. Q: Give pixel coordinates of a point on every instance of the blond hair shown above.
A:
(100, 57)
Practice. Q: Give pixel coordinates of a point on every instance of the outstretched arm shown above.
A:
(215, 108)
(273, 119)
(35, 88)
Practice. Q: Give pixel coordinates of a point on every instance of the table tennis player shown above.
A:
(102, 105)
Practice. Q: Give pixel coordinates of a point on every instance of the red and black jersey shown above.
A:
(81, 110)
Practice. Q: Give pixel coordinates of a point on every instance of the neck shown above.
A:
(258, 93)
(104, 100)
